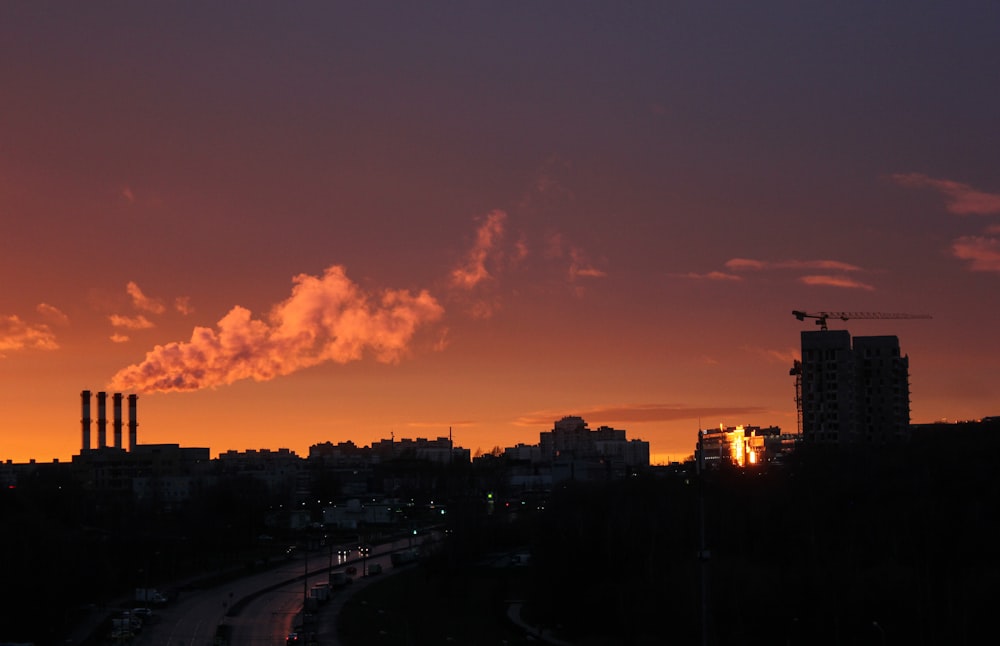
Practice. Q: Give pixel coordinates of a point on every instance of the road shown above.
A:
(259, 609)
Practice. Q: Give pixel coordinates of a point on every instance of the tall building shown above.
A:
(852, 393)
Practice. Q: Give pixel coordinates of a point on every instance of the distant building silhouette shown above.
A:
(574, 452)
(852, 393)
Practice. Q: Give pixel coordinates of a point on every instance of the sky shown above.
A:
(282, 224)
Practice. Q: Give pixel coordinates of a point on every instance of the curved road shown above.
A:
(265, 605)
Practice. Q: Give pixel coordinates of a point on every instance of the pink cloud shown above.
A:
(962, 199)
(143, 302)
(786, 356)
(982, 253)
(131, 322)
(557, 248)
(183, 305)
(52, 313)
(835, 281)
(580, 266)
(747, 264)
(16, 334)
(473, 270)
(326, 318)
(713, 275)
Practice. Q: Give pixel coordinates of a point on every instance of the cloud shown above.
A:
(131, 322)
(326, 318)
(127, 194)
(16, 334)
(183, 305)
(473, 270)
(557, 248)
(142, 302)
(786, 356)
(117, 337)
(835, 281)
(712, 275)
(52, 313)
(640, 413)
(962, 199)
(982, 252)
(747, 264)
(734, 267)
(580, 266)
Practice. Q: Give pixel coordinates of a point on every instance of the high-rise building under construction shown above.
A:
(851, 393)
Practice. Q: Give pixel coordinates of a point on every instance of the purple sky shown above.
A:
(636, 194)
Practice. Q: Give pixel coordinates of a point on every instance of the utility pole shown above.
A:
(703, 552)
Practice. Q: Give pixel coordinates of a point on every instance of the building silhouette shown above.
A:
(852, 392)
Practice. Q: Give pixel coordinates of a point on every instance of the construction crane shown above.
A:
(821, 317)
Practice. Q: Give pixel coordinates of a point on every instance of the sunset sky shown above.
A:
(289, 223)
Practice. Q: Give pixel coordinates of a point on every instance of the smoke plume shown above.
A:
(327, 318)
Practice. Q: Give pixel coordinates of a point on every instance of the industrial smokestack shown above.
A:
(102, 419)
(85, 418)
(117, 397)
(133, 422)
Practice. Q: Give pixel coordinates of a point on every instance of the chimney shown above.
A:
(85, 420)
(118, 419)
(133, 422)
(102, 419)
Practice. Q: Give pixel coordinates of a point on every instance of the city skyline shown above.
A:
(282, 226)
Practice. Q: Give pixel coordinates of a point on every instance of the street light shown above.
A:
(880, 630)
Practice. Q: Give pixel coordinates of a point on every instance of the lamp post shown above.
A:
(880, 630)
(305, 573)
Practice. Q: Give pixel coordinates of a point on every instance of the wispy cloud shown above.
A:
(961, 198)
(17, 334)
(835, 281)
(118, 337)
(473, 269)
(640, 413)
(581, 267)
(712, 275)
(131, 322)
(52, 313)
(748, 264)
(183, 305)
(736, 269)
(981, 252)
(142, 302)
(326, 318)
(773, 355)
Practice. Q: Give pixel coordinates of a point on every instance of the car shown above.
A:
(344, 551)
(364, 550)
(293, 638)
(144, 613)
